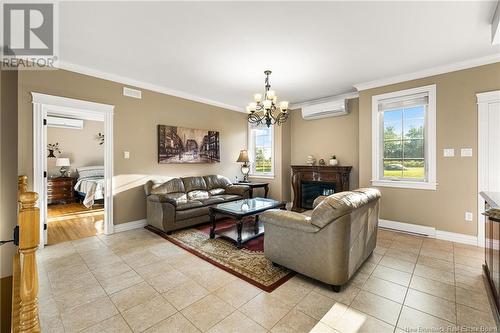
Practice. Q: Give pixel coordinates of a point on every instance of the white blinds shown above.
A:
(403, 102)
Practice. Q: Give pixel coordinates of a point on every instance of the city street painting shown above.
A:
(180, 145)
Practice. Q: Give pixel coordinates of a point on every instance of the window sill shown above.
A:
(265, 176)
(405, 184)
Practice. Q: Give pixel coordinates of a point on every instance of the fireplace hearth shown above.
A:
(309, 182)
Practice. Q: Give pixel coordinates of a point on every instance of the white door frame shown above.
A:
(55, 105)
(483, 101)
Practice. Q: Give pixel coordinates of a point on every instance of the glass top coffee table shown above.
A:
(238, 210)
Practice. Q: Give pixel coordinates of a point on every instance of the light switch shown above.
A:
(466, 152)
(126, 155)
(468, 216)
(448, 152)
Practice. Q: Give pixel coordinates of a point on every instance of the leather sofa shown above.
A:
(328, 243)
(182, 202)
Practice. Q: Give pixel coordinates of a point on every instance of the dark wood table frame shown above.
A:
(255, 185)
(213, 211)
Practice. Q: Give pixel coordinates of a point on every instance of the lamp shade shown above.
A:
(243, 156)
(62, 162)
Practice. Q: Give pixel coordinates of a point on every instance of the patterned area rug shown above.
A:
(247, 263)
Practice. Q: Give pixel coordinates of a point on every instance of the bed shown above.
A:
(90, 184)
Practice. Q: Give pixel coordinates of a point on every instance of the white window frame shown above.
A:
(251, 153)
(429, 141)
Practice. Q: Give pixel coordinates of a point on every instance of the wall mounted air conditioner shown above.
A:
(61, 122)
(333, 108)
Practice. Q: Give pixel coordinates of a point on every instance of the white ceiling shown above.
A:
(218, 51)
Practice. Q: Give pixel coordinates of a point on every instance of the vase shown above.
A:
(51, 153)
(333, 162)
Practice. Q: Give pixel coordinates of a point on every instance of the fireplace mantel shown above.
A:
(338, 175)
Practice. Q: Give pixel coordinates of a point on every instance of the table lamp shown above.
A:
(63, 162)
(245, 167)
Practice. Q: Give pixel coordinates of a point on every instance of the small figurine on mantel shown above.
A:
(333, 161)
(321, 162)
(310, 160)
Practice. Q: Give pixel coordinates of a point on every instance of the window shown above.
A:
(261, 150)
(404, 138)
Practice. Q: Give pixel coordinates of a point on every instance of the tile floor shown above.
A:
(136, 281)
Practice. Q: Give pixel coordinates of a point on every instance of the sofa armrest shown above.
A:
(238, 190)
(288, 219)
(318, 200)
(162, 199)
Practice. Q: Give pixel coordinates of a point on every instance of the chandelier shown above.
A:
(265, 109)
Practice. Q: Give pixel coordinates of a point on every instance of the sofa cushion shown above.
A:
(189, 204)
(217, 191)
(194, 183)
(211, 201)
(190, 213)
(216, 182)
(198, 194)
(171, 186)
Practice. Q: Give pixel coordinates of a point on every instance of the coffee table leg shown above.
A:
(266, 190)
(212, 221)
(239, 226)
(256, 225)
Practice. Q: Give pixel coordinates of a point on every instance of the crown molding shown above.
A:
(429, 72)
(300, 105)
(143, 85)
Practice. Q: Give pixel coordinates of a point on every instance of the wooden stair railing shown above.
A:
(25, 274)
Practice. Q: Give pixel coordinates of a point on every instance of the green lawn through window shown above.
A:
(409, 172)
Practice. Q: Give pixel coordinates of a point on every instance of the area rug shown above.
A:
(248, 263)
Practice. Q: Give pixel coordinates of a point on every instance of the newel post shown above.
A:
(29, 237)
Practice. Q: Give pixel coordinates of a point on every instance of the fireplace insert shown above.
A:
(310, 190)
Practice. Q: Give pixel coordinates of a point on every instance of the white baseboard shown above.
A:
(429, 232)
(130, 225)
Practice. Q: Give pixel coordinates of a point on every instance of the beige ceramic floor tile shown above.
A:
(377, 306)
(473, 299)
(78, 296)
(401, 265)
(237, 292)
(265, 309)
(147, 314)
(392, 275)
(132, 296)
(321, 327)
(358, 322)
(436, 288)
(113, 284)
(387, 289)
(67, 272)
(88, 314)
(110, 270)
(436, 263)
(436, 306)
(167, 281)
(73, 282)
(359, 279)
(52, 324)
(434, 274)
(294, 322)
(185, 294)
(151, 270)
(473, 318)
(290, 293)
(469, 261)
(214, 279)
(402, 255)
(207, 312)
(438, 254)
(237, 322)
(315, 305)
(174, 324)
(418, 321)
(114, 324)
(346, 295)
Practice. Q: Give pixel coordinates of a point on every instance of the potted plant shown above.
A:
(333, 161)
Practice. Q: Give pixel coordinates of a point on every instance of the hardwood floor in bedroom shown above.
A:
(73, 221)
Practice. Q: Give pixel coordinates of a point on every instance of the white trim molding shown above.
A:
(430, 140)
(130, 225)
(430, 232)
(144, 85)
(44, 105)
(490, 59)
(488, 97)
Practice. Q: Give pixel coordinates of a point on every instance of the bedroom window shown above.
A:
(404, 139)
(261, 150)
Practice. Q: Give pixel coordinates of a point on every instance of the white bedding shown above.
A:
(93, 187)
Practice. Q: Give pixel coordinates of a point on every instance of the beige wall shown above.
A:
(135, 130)
(81, 146)
(325, 137)
(456, 192)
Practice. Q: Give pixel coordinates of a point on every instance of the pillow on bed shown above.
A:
(91, 171)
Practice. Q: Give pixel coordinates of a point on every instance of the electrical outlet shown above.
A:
(466, 152)
(126, 155)
(448, 152)
(468, 216)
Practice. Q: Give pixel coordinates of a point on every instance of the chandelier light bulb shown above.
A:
(252, 106)
(248, 109)
(257, 98)
(267, 104)
(271, 94)
(284, 105)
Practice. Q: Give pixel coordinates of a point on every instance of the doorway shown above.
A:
(488, 151)
(84, 207)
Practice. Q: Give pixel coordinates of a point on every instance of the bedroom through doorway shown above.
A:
(75, 182)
